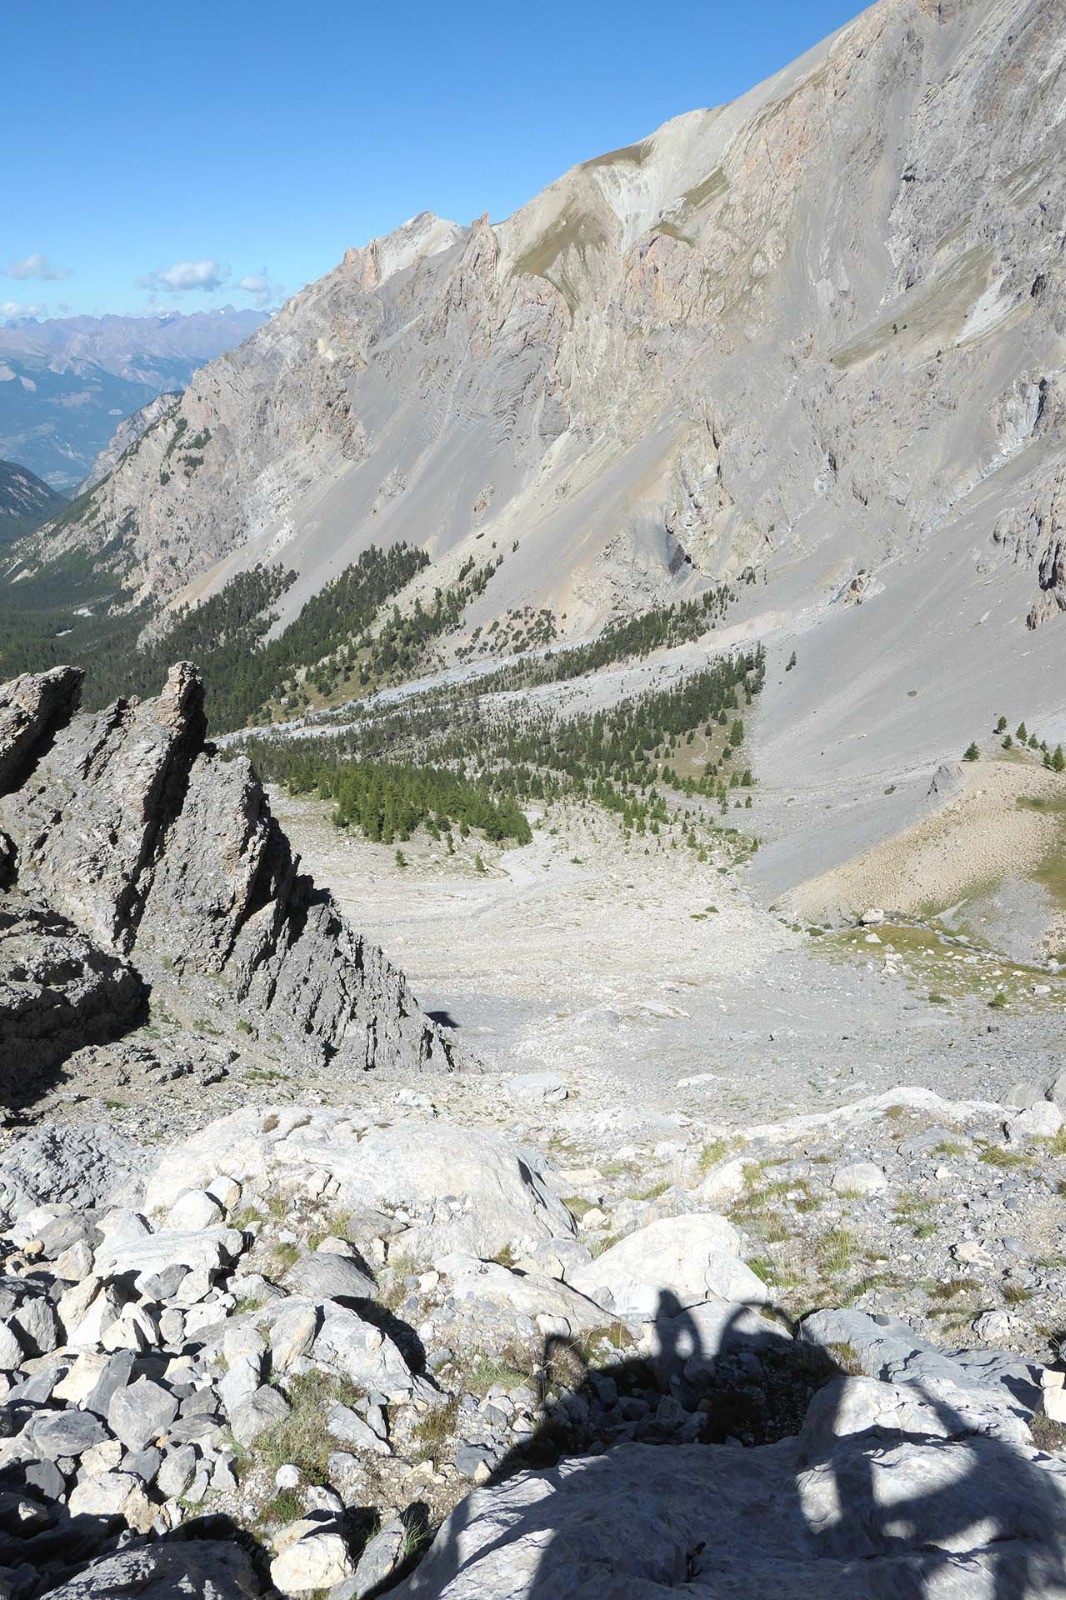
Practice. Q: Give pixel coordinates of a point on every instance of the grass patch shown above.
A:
(846, 1358)
(301, 1439)
(505, 1367)
(435, 1430)
(279, 1204)
(836, 1251)
(655, 1191)
(286, 1506)
(995, 1156)
(599, 1246)
(1047, 1435)
(714, 1151)
(279, 1259)
(951, 1288)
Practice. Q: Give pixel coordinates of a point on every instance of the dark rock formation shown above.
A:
(58, 991)
(31, 707)
(139, 853)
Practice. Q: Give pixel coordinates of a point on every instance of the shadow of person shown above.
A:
(696, 1374)
(883, 1491)
(937, 1484)
(86, 1557)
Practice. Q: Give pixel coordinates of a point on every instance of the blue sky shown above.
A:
(229, 153)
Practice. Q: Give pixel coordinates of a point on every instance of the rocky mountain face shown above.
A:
(25, 501)
(816, 328)
(66, 382)
(138, 863)
(126, 435)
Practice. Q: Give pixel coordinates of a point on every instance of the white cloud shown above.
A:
(261, 286)
(36, 267)
(183, 275)
(10, 309)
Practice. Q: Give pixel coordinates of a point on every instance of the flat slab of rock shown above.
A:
(932, 1507)
(321, 1275)
(205, 1248)
(191, 1570)
(888, 1349)
(67, 1433)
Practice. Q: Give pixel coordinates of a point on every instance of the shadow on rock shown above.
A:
(89, 1557)
(736, 1459)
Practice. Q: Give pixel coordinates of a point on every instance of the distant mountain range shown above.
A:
(66, 383)
(25, 501)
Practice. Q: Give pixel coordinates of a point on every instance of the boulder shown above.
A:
(464, 1189)
(358, 1350)
(292, 1332)
(317, 1561)
(12, 1350)
(348, 1427)
(263, 1409)
(176, 1471)
(197, 1569)
(859, 1178)
(207, 1249)
(378, 1562)
(195, 1209)
(526, 1293)
(1040, 1121)
(537, 1087)
(66, 1433)
(141, 1412)
(322, 1275)
(670, 1264)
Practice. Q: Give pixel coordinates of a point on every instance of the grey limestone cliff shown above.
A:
(138, 859)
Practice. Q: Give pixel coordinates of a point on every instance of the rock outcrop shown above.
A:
(886, 1490)
(31, 708)
(58, 990)
(138, 859)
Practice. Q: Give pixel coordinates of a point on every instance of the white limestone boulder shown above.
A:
(670, 1264)
(463, 1189)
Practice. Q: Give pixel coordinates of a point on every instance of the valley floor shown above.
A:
(631, 972)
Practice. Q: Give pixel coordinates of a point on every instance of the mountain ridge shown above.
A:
(65, 382)
(25, 501)
(540, 366)
(813, 336)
